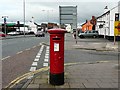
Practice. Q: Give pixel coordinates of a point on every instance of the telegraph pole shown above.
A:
(24, 15)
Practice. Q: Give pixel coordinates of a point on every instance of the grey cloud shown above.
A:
(34, 8)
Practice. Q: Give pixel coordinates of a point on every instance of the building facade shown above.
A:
(105, 23)
(87, 26)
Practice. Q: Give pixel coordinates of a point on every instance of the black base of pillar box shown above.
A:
(56, 79)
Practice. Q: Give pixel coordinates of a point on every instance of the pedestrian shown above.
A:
(74, 34)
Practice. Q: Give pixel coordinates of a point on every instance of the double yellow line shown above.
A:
(17, 80)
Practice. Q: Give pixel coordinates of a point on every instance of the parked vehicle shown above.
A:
(31, 33)
(13, 33)
(93, 34)
(39, 34)
(2, 34)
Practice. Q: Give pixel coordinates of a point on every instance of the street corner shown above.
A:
(112, 46)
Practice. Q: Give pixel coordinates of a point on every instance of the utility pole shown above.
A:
(24, 15)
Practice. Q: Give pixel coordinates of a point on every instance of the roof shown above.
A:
(107, 12)
(103, 14)
(83, 24)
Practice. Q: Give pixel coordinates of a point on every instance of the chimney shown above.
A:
(32, 19)
(93, 17)
(105, 9)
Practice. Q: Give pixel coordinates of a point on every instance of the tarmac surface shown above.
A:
(102, 74)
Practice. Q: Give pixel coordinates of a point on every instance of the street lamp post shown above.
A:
(5, 17)
(24, 15)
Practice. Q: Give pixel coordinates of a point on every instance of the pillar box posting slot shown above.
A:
(56, 56)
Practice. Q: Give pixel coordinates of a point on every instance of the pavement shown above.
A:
(101, 74)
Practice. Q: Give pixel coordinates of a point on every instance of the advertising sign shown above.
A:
(117, 28)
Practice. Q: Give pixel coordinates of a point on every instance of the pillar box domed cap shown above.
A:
(57, 31)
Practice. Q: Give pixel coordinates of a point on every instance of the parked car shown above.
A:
(2, 34)
(92, 33)
(39, 34)
(31, 33)
(13, 33)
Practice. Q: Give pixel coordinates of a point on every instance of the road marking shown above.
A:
(34, 64)
(45, 64)
(36, 59)
(32, 68)
(47, 47)
(46, 56)
(47, 50)
(30, 77)
(34, 47)
(27, 49)
(26, 75)
(5, 58)
(40, 52)
(46, 60)
(19, 52)
(37, 56)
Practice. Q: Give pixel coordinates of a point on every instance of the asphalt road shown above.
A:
(20, 63)
(14, 45)
(73, 54)
(18, 55)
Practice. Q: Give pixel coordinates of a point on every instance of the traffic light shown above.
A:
(116, 16)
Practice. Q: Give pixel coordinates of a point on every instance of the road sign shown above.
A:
(117, 28)
(68, 15)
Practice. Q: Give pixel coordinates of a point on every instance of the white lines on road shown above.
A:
(45, 64)
(19, 52)
(38, 56)
(36, 59)
(46, 60)
(35, 63)
(5, 58)
(32, 68)
(46, 57)
(46, 54)
(27, 49)
(34, 46)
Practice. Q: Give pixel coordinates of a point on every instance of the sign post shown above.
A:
(116, 30)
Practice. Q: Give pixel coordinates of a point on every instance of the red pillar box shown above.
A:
(56, 56)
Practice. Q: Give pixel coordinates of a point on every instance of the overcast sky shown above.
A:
(48, 10)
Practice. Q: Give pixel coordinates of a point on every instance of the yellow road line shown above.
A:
(17, 80)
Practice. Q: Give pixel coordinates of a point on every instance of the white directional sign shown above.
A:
(68, 15)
